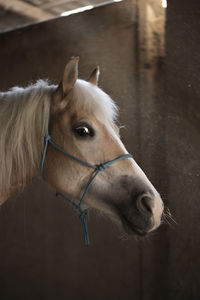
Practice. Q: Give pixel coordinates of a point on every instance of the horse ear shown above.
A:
(70, 76)
(94, 77)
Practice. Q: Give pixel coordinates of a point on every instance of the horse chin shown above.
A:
(133, 228)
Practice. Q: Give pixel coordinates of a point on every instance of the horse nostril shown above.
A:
(145, 204)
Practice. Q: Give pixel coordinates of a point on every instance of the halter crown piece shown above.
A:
(97, 168)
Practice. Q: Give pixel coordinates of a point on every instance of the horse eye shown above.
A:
(84, 131)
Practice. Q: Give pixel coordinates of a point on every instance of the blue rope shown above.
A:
(98, 168)
(70, 155)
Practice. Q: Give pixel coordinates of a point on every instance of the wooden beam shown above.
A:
(78, 4)
(58, 3)
(25, 9)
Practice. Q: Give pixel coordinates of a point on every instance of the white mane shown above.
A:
(24, 116)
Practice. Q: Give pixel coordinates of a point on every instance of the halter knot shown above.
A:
(100, 167)
(83, 214)
(47, 137)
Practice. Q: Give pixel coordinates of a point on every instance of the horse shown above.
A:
(79, 121)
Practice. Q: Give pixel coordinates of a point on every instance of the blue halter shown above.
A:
(97, 168)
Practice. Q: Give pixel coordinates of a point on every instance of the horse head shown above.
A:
(83, 123)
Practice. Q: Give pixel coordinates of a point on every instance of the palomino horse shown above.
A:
(81, 120)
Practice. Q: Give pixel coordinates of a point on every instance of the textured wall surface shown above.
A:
(42, 255)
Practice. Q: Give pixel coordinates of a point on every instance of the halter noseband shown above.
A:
(97, 168)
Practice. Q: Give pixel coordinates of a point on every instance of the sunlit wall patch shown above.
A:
(164, 3)
(77, 10)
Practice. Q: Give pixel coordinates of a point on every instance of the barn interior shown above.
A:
(148, 53)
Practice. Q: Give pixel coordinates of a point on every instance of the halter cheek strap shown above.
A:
(97, 169)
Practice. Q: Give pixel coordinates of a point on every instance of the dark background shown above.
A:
(42, 254)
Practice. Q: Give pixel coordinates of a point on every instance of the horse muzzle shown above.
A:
(142, 215)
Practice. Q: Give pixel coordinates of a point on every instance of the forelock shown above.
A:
(92, 99)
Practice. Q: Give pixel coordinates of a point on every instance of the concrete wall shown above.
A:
(182, 136)
(42, 255)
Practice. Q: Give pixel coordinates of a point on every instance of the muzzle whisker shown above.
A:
(167, 217)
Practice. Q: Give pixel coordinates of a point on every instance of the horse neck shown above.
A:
(24, 115)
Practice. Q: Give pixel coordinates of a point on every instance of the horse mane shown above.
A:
(24, 115)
